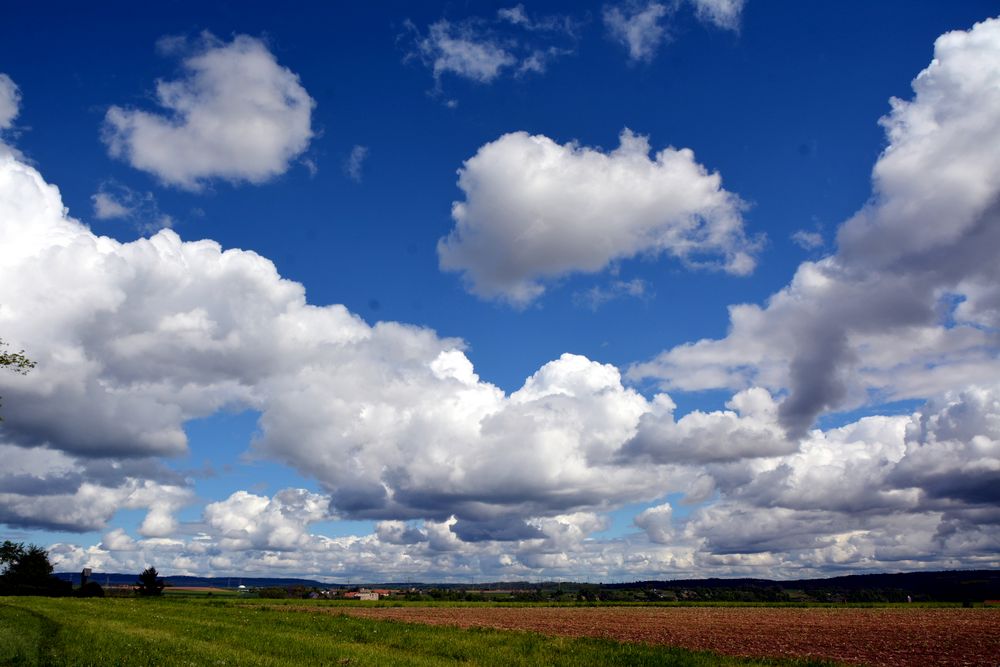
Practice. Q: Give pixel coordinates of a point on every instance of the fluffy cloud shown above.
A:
(134, 339)
(10, 101)
(245, 521)
(878, 319)
(535, 210)
(45, 488)
(657, 521)
(749, 429)
(902, 492)
(907, 489)
(236, 115)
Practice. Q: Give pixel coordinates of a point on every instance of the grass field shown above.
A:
(199, 631)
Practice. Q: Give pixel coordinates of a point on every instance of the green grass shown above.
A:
(43, 631)
(173, 592)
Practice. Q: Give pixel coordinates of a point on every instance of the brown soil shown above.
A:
(893, 637)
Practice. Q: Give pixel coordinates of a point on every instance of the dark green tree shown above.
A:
(149, 583)
(27, 571)
(16, 362)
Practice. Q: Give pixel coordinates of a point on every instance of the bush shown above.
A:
(91, 589)
(273, 593)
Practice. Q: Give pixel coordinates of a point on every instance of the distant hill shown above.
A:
(120, 579)
(945, 586)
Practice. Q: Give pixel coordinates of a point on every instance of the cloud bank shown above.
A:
(395, 425)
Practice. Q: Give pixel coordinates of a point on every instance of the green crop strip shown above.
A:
(43, 631)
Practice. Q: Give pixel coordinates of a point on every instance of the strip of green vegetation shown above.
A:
(187, 593)
(76, 632)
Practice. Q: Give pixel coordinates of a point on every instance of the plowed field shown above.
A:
(893, 637)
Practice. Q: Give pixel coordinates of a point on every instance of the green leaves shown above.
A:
(15, 362)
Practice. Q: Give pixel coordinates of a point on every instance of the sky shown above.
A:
(494, 291)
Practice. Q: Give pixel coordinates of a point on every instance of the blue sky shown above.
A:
(567, 195)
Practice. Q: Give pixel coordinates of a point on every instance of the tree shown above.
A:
(149, 582)
(27, 571)
(16, 362)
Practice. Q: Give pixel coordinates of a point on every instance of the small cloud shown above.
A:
(106, 207)
(808, 240)
(10, 101)
(597, 296)
(638, 28)
(355, 162)
(235, 114)
(114, 201)
(515, 15)
(482, 50)
(723, 14)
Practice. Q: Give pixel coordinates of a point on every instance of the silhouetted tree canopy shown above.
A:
(149, 582)
(27, 571)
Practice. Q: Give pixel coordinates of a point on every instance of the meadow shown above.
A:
(200, 631)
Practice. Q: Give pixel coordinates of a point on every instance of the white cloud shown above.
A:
(637, 27)
(748, 429)
(134, 339)
(114, 201)
(872, 321)
(884, 493)
(236, 115)
(598, 295)
(10, 101)
(45, 488)
(483, 50)
(640, 26)
(106, 207)
(807, 240)
(355, 162)
(721, 13)
(458, 49)
(657, 521)
(247, 521)
(536, 210)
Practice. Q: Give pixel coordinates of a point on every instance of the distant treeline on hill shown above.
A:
(122, 579)
(948, 586)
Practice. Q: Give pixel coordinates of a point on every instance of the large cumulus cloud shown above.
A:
(134, 339)
(535, 210)
(907, 307)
